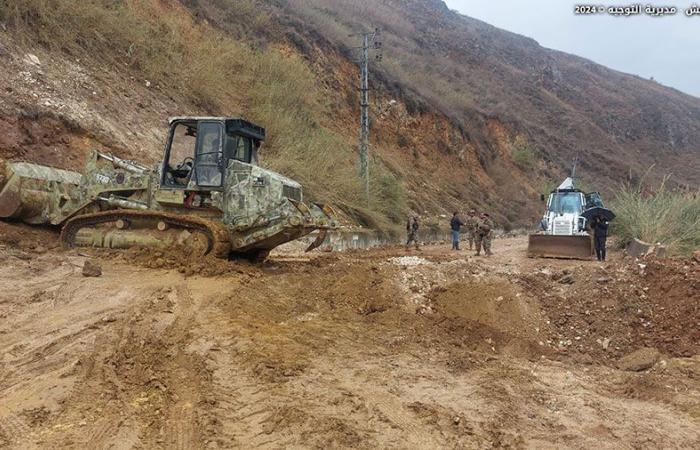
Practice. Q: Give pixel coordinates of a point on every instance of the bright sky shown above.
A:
(666, 48)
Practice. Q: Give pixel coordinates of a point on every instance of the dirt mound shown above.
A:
(508, 321)
(642, 359)
(674, 309)
(183, 260)
(615, 309)
(26, 237)
(492, 303)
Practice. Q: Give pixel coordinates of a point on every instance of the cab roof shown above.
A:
(234, 125)
(567, 186)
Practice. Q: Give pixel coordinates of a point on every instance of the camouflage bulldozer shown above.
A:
(208, 194)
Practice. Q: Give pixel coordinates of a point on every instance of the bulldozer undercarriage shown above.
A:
(121, 229)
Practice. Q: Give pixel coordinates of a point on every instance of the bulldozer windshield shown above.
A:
(566, 203)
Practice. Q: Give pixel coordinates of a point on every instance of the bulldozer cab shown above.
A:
(593, 199)
(199, 148)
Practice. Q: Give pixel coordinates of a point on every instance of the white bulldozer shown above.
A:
(564, 225)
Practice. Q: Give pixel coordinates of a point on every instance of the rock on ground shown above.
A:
(92, 269)
(639, 360)
(639, 248)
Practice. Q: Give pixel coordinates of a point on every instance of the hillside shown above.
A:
(463, 114)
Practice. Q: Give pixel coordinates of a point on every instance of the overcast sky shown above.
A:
(666, 48)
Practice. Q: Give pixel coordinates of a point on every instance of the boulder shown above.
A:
(639, 248)
(566, 279)
(696, 256)
(639, 360)
(92, 268)
(31, 59)
(660, 251)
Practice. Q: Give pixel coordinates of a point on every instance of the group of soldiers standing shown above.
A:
(479, 229)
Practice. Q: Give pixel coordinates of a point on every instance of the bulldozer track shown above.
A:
(219, 244)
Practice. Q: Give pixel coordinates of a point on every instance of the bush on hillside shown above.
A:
(659, 215)
(522, 154)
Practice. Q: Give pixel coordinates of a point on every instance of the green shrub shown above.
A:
(388, 196)
(522, 154)
(658, 215)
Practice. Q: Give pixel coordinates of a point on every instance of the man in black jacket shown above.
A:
(456, 224)
(600, 234)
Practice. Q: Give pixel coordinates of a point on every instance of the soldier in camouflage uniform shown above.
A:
(470, 224)
(412, 231)
(484, 234)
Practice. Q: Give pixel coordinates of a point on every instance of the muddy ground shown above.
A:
(366, 349)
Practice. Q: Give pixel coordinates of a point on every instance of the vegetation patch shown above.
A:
(522, 154)
(658, 215)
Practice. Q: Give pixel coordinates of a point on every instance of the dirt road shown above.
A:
(367, 349)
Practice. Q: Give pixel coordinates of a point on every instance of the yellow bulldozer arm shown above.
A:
(551, 246)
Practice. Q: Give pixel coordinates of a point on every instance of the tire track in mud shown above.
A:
(182, 427)
(236, 404)
(246, 405)
(167, 384)
(243, 406)
(160, 383)
(138, 385)
(12, 427)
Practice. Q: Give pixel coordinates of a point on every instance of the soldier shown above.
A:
(412, 230)
(471, 223)
(484, 233)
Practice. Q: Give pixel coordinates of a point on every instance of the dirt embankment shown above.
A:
(364, 349)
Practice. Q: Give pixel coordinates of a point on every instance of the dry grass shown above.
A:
(199, 65)
(658, 215)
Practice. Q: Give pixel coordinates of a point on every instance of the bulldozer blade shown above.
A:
(551, 246)
(319, 239)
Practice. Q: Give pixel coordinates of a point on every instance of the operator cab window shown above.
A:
(593, 199)
(178, 169)
(209, 158)
(238, 148)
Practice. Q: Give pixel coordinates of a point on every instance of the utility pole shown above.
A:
(367, 40)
